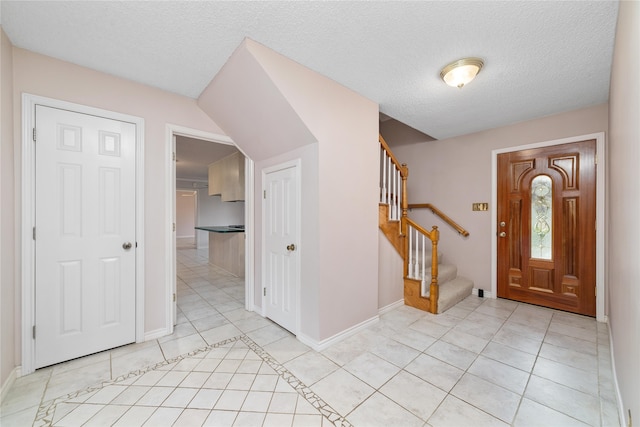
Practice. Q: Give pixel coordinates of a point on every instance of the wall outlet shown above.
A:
(484, 206)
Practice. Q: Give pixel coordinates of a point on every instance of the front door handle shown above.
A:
(291, 247)
(503, 234)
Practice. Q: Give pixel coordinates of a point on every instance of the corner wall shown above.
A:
(623, 208)
(8, 344)
(274, 108)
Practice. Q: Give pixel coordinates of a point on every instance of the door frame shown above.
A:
(28, 206)
(172, 131)
(297, 163)
(600, 212)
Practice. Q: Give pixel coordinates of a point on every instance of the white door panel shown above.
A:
(85, 213)
(281, 246)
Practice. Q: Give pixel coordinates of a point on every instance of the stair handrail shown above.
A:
(399, 165)
(393, 182)
(461, 230)
(416, 268)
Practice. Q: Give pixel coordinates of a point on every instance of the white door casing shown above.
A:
(68, 177)
(85, 235)
(281, 254)
(170, 188)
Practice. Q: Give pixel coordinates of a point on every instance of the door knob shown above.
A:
(503, 234)
(291, 247)
(126, 246)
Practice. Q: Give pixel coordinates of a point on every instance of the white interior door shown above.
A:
(85, 232)
(282, 257)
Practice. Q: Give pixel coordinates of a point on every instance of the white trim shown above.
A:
(619, 401)
(249, 235)
(8, 384)
(326, 343)
(29, 103)
(295, 163)
(600, 212)
(158, 333)
(170, 187)
(390, 307)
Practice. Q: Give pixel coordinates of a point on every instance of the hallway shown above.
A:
(484, 362)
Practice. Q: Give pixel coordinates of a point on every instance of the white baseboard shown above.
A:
(154, 335)
(186, 237)
(4, 389)
(323, 344)
(392, 306)
(487, 294)
(623, 418)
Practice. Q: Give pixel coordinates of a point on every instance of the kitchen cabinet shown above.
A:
(226, 178)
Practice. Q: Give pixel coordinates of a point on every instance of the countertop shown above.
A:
(220, 229)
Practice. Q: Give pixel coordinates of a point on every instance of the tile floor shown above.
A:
(483, 362)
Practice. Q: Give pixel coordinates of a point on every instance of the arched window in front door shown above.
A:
(541, 217)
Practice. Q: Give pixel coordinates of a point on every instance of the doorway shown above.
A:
(546, 226)
(598, 223)
(200, 186)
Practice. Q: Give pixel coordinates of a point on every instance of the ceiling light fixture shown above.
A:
(461, 72)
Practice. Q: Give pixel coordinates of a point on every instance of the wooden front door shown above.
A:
(546, 226)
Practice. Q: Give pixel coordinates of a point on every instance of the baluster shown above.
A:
(383, 191)
(411, 257)
(423, 266)
(390, 189)
(417, 267)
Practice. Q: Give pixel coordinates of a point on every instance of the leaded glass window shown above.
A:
(541, 217)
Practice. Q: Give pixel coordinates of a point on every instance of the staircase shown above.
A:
(429, 284)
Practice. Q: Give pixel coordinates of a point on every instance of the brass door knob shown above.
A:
(291, 247)
(503, 234)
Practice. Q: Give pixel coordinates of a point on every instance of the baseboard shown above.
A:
(323, 344)
(487, 294)
(4, 389)
(154, 335)
(623, 418)
(392, 306)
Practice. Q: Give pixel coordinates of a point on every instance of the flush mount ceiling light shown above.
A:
(461, 72)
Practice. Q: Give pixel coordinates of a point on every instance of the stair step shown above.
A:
(446, 273)
(452, 292)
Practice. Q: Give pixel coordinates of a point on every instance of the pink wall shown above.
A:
(454, 173)
(44, 76)
(8, 347)
(290, 108)
(624, 205)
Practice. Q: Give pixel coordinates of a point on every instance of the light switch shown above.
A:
(480, 207)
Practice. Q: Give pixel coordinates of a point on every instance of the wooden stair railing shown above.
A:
(444, 217)
(408, 237)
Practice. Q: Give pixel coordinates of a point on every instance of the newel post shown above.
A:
(433, 288)
(404, 173)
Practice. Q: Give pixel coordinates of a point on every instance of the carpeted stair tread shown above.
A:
(452, 292)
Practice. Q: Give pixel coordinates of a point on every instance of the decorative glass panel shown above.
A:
(541, 217)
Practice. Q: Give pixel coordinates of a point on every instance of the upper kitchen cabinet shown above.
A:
(226, 178)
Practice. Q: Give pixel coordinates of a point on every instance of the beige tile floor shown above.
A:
(483, 362)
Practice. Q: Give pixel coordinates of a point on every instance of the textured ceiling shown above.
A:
(542, 57)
